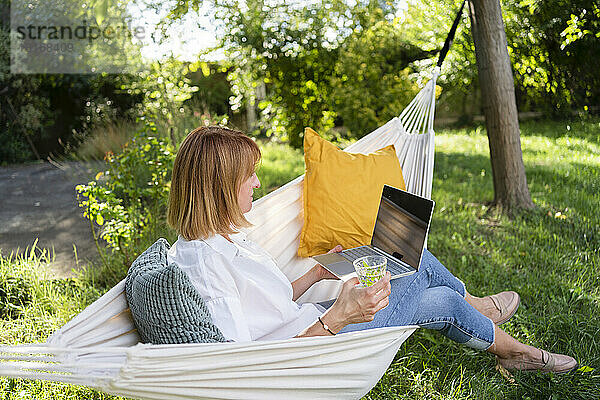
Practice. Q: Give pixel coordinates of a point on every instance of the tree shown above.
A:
(45, 115)
(550, 43)
(499, 106)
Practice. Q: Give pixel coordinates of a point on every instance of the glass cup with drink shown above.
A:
(370, 269)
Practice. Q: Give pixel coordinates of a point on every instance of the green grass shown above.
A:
(549, 255)
(33, 306)
(279, 165)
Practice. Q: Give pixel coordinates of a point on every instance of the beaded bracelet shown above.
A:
(325, 326)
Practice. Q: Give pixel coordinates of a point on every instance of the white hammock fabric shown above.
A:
(100, 347)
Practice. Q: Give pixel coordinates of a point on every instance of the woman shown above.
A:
(250, 299)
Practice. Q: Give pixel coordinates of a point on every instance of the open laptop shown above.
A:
(400, 233)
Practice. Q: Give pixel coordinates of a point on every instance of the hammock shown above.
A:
(100, 347)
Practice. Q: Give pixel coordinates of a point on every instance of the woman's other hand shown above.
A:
(357, 304)
(336, 249)
(322, 272)
(314, 275)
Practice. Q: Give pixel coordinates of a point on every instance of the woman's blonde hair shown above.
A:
(211, 165)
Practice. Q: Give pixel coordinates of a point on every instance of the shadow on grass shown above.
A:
(574, 185)
(587, 128)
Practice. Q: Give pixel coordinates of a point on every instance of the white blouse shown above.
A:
(247, 295)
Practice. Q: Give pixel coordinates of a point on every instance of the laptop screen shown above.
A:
(402, 225)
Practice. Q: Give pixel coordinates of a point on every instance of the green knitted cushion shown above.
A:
(166, 307)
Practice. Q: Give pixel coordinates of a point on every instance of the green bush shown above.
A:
(128, 200)
(373, 79)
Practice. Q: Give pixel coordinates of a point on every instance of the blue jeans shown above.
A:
(432, 298)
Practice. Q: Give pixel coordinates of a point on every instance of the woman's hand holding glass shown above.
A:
(357, 304)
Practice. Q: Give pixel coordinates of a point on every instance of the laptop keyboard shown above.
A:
(358, 252)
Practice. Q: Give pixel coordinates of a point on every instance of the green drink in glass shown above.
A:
(370, 269)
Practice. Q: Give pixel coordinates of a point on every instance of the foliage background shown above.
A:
(341, 67)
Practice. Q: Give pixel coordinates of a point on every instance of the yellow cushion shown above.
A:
(341, 194)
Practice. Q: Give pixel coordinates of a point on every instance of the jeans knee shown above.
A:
(430, 262)
(447, 301)
(427, 259)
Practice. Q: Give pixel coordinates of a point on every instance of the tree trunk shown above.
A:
(499, 106)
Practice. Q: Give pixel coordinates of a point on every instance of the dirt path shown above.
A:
(39, 201)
